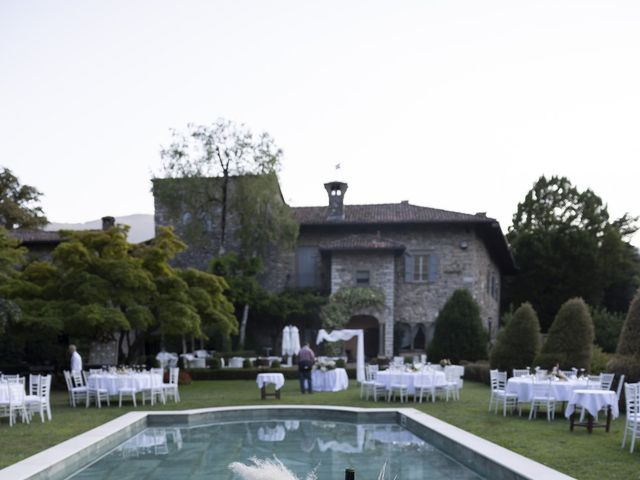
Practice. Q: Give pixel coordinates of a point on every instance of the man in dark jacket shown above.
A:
(306, 359)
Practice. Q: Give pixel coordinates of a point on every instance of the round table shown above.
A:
(387, 377)
(561, 390)
(329, 380)
(114, 382)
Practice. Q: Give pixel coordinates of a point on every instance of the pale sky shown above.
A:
(459, 105)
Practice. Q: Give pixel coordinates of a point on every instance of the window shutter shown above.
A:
(408, 268)
(434, 267)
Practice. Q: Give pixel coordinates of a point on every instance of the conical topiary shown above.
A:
(570, 338)
(459, 334)
(518, 342)
(629, 342)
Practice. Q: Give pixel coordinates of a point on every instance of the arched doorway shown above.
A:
(371, 329)
(420, 338)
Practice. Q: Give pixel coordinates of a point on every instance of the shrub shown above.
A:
(608, 326)
(599, 361)
(477, 372)
(247, 363)
(570, 338)
(459, 334)
(627, 358)
(340, 363)
(518, 343)
(214, 362)
(629, 343)
(275, 364)
(408, 359)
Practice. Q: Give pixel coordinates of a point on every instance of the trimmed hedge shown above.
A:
(518, 342)
(570, 338)
(477, 372)
(248, 373)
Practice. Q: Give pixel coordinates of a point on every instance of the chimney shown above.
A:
(108, 222)
(336, 191)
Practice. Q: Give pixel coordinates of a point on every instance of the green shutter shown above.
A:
(408, 268)
(434, 267)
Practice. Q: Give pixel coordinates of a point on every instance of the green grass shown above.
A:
(577, 453)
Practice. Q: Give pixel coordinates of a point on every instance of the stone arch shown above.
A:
(371, 327)
(403, 336)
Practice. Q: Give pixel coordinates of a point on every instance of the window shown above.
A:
(420, 268)
(307, 259)
(362, 277)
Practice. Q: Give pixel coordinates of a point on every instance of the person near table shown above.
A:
(306, 359)
(76, 359)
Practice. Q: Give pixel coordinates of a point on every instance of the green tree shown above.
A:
(459, 334)
(349, 301)
(18, 203)
(570, 338)
(11, 256)
(607, 328)
(566, 246)
(518, 342)
(243, 287)
(226, 151)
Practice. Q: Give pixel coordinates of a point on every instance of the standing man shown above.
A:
(76, 359)
(306, 359)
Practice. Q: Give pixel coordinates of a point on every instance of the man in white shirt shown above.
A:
(76, 359)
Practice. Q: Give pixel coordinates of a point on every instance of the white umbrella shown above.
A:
(286, 341)
(295, 340)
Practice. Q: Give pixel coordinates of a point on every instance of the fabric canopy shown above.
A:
(337, 335)
(295, 340)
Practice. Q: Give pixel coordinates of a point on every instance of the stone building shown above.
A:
(417, 256)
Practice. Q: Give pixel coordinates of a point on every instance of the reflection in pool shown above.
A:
(204, 452)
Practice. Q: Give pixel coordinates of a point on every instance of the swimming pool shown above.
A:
(151, 437)
(327, 447)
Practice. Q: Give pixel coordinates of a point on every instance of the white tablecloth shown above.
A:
(13, 391)
(561, 390)
(593, 401)
(114, 382)
(329, 380)
(236, 362)
(387, 377)
(276, 378)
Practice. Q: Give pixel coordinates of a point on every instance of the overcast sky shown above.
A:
(459, 105)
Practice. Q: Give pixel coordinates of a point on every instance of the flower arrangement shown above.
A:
(324, 365)
(444, 362)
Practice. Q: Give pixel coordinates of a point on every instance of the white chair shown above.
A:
(499, 393)
(542, 397)
(171, 389)
(153, 390)
(632, 423)
(606, 380)
(127, 390)
(520, 372)
(371, 387)
(450, 387)
(75, 393)
(96, 393)
(40, 402)
(425, 385)
(15, 405)
(397, 385)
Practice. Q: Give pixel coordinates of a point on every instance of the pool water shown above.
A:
(204, 452)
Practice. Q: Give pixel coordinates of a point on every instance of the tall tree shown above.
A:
(18, 203)
(566, 246)
(518, 342)
(222, 150)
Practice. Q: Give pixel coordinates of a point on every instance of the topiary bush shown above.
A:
(459, 334)
(275, 363)
(599, 360)
(627, 358)
(340, 363)
(518, 343)
(570, 338)
(247, 363)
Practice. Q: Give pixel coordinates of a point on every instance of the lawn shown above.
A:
(577, 453)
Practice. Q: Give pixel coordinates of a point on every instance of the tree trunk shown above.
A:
(243, 325)
(184, 344)
(193, 343)
(223, 211)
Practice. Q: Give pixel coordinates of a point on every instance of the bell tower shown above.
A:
(336, 191)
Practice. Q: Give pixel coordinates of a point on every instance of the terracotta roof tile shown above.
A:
(386, 213)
